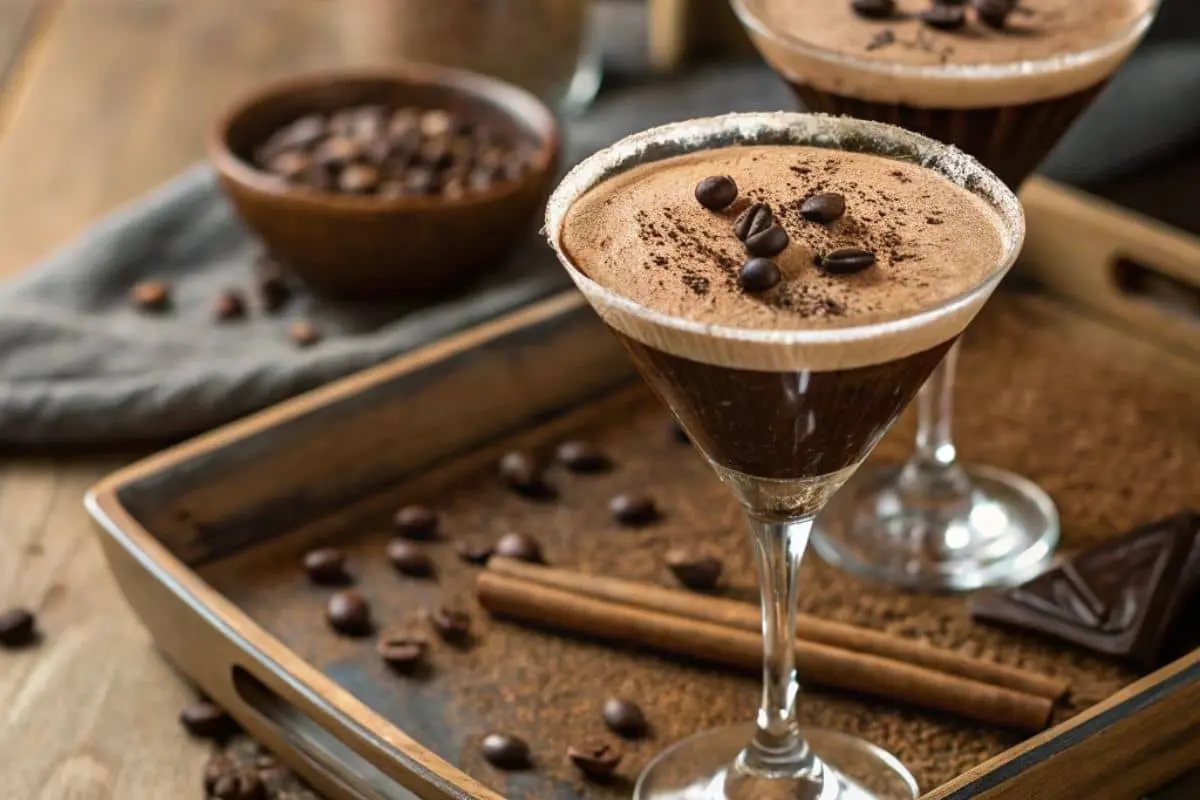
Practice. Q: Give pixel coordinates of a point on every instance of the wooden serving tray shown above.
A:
(205, 541)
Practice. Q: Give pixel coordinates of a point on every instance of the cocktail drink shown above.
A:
(785, 283)
(1003, 81)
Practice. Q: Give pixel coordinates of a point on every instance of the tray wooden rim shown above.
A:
(991, 780)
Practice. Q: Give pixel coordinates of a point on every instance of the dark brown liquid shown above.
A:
(1009, 140)
(784, 425)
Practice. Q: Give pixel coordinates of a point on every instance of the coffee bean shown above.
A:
(759, 275)
(420, 182)
(358, 179)
(402, 651)
(18, 627)
(994, 13)
(625, 718)
(241, 784)
(754, 220)
(206, 720)
(303, 333)
(336, 152)
(596, 760)
(696, 571)
(229, 305)
(522, 474)
(291, 165)
(217, 767)
(348, 613)
(944, 18)
(717, 192)
(151, 296)
(416, 522)
(824, 208)
(846, 261)
(768, 243)
(473, 553)
(520, 547)
(633, 509)
(580, 456)
(450, 623)
(436, 123)
(409, 559)
(874, 9)
(326, 566)
(506, 752)
(304, 132)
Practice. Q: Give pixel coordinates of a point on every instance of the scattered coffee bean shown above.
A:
(846, 261)
(409, 559)
(596, 760)
(18, 627)
(695, 571)
(229, 305)
(241, 784)
(625, 718)
(506, 752)
(520, 471)
(348, 613)
(874, 9)
(994, 13)
(824, 208)
(754, 220)
(943, 17)
(304, 334)
(450, 623)
(326, 566)
(206, 720)
(768, 243)
(151, 296)
(218, 766)
(473, 552)
(416, 522)
(633, 509)
(402, 651)
(580, 456)
(520, 547)
(759, 275)
(716, 193)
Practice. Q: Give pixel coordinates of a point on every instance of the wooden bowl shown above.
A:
(364, 247)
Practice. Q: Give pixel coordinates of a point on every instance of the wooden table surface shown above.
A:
(100, 100)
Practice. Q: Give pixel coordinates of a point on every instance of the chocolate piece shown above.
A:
(348, 613)
(846, 261)
(151, 296)
(759, 275)
(695, 571)
(229, 305)
(1126, 597)
(596, 760)
(754, 220)
(18, 627)
(824, 208)
(625, 718)
(506, 752)
(994, 13)
(409, 559)
(416, 522)
(451, 624)
(768, 243)
(633, 509)
(943, 17)
(874, 9)
(520, 547)
(579, 456)
(303, 333)
(402, 651)
(206, 720)
(326, 566)
(716, 193)
(472, 552)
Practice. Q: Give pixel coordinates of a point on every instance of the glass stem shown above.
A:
(933, 470)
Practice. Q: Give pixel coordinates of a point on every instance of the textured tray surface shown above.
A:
(1107, 424)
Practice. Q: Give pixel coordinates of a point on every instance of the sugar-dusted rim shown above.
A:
(748, 12)
(789, 128)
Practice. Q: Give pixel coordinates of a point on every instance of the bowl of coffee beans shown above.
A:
(386, 184)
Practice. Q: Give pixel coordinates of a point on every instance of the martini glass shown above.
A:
(724, 384)
(935, 523)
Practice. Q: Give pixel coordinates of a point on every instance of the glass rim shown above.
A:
(747, 12)
(803, 129)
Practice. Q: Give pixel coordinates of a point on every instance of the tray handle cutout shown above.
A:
(357, 777)
(1154, 287)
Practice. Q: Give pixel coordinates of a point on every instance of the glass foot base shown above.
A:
(1001, 532)
(696, 769)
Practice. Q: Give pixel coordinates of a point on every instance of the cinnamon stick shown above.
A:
(882, 677)
(744, 616)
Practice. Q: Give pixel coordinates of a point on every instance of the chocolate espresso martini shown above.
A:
(785, 283)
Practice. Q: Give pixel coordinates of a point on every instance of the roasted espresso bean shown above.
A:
(846, 261)
(696, 571)
(625, 718)
(436, 123)
(338, 151)
(754, 220)
(633, 509)
(326, 566)
(18, 628)
(520, 547)
(759, 275)
(506, 752)
(581, 456)
(359, 179)
(717, 192)
(451, 624)
(291, 165)
(241, 784)
(151, 296)
(229, 305)
(217, 767)
(416, 522)
(824, 208)
(521, 473)
(943, 17)
(994, 13)
(768, 243)
(409, 559)
(596, 760)
(348, 613)
(473, 552)
(402, 651)
(206, 720)
(304, 333)
(874, 9)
